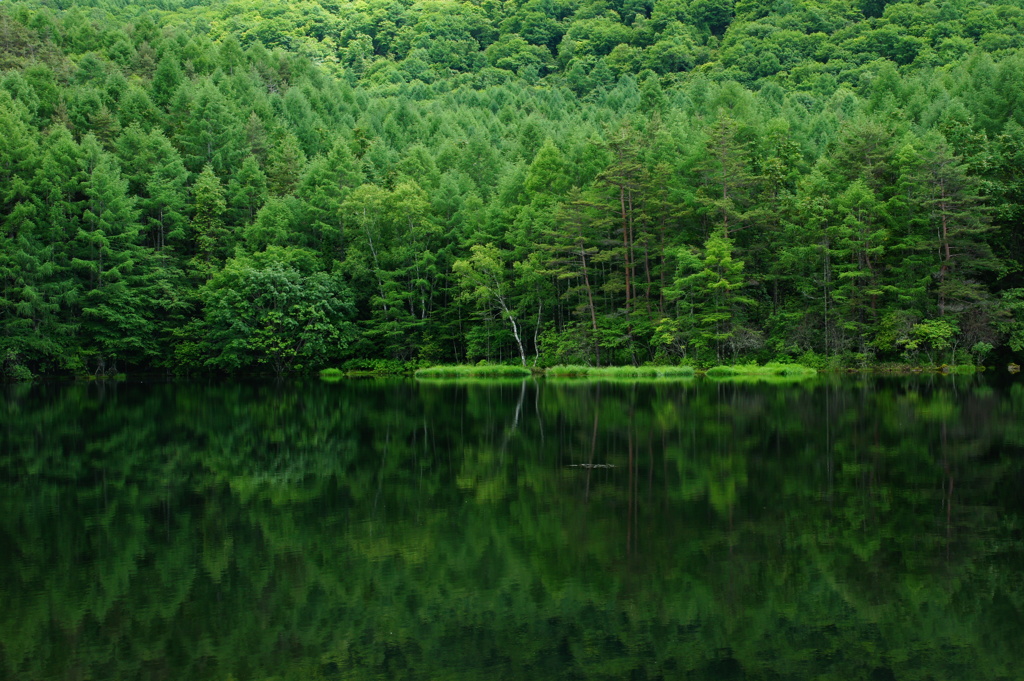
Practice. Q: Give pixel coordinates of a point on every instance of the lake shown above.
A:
(838, 528)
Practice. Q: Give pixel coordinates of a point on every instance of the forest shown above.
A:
(240, 186)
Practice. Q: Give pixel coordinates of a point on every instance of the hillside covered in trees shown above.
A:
(280, 186)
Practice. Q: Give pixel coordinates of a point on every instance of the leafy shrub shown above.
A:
(18, 373)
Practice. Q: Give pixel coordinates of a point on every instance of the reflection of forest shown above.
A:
(856, 529)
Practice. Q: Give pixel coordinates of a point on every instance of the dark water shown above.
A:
(838, 529)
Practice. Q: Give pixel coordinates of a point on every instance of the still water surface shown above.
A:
(854, 528)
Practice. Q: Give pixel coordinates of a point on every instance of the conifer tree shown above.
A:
(711, 286)
(211, 240)
(247, 190)
(111, 268)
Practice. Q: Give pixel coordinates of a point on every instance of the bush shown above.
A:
(18, 373)
(11, 369)
(820, 362)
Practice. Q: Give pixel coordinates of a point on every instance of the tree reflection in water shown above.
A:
(857, 528)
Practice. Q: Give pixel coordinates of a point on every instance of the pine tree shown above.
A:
(30, 332)
(247, 191)
(952, 201)
(710, 286)
(627, 178)
(212, 242)
(729, 181)
(157, 177)
(569, 248)
(110, 265)
(209, 131)
(859, 243)
(286, 164)
(166, 79)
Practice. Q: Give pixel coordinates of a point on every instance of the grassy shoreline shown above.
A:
(578, 371)
(474, 371)
(770, 369)
(666, 372)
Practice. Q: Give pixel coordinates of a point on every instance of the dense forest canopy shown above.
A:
(282, 186)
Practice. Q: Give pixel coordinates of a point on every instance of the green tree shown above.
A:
(730, 183)
(166, 79)
(247, 191)
(286, 165)
(110, 265)
(570, 247)
(709, 289)
(157, 177)
(212, 241)
(209, 132)
(487, 282)
(274, 308)
(951, 203)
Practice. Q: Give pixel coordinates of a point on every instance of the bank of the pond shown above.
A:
(577, 371)
(665, 372)
(770, 369)
(615, 372)
(398, 368)
(474, 371)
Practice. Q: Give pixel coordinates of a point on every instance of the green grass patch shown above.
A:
(469, 382)
(959, 369)
(625, 372)
(582, 382)
(767, 370)
(474, 371)
(567, 371)
(331, 373)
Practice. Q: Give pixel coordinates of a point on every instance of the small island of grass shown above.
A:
(474, 371)
(577, 371)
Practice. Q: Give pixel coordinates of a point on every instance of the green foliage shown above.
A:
(558, 183)
(273, 309)
(379, 367)
(14, 370)
(934, 333)
(1013, 323)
